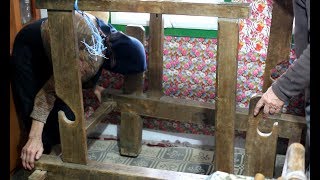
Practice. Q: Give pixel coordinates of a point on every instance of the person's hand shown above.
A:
(31, 151)
(271, 103)
(97, 91)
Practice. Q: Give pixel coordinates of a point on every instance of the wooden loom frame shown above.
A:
(74, 163)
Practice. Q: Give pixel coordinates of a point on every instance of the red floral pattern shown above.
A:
(190, 70)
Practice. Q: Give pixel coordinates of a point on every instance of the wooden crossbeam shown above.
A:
(99, 114)
(38, 175)
(201, 112)
(57, 169)
(179, 7)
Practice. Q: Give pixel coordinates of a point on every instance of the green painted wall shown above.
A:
(180, 31)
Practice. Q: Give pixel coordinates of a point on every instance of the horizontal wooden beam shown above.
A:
(38, 175)
(99, 114)
(180, 7)
(94, 170)
(200, 112)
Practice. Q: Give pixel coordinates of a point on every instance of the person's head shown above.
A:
(128, 53)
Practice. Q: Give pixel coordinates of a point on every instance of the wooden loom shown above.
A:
(132, 102)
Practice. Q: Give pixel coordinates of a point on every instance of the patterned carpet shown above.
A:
(177, 158)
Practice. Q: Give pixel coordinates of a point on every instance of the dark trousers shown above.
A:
(30, 69)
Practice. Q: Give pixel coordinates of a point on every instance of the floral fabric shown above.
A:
(190, 69)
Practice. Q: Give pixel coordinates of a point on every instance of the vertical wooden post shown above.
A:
(155, 67)
(260, 147)
(280, 37)
(130, 134)
(228, 39)
(64, 51)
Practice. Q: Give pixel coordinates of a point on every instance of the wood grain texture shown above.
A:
(182, 7)
(155, 66)
(102, 171)
(38, 175)
(226, 81)
(99, 114)
(18, 138)
(280, 38)
(260, 147)
(130, 134)
(35, 11)
(15, 21)
(68, 86)
(201, 112)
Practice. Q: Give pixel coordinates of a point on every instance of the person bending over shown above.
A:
(32, 76)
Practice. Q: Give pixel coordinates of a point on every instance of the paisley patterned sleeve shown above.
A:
(88, 67)
(44, 101)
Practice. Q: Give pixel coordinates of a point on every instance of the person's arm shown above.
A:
(295, 79)
(289, 84)
(33, 149)
(43, 104)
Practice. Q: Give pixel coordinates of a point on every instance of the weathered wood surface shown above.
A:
(155, 66)
(260, 147)
(226, 82)
(68, 86)
(99, 114)
(101, 171)
(130, 134)
(38, 175)
(201, 112)
(182, 7)
(280, 37)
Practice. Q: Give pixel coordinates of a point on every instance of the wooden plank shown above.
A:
(260, 147)
(199, 112)
(183, 7)
(167, 108)
(100, 171)
(38, 175)
(35, 12)
(100, 114)
(18, 137)
(130, 134)
(279, 39)
(64, 52)
(15, 21)
(155, 66)
(227, 64)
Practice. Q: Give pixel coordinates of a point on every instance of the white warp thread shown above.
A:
(97, 47)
